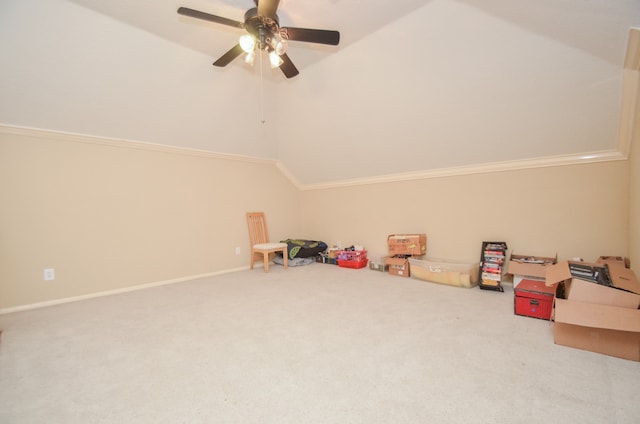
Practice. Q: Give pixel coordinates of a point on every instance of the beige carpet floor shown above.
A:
(312, 344)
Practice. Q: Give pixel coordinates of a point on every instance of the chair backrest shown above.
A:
(257, 224)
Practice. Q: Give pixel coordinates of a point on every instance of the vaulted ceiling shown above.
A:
(415, 86)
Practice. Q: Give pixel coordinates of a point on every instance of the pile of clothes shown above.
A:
(301, 252)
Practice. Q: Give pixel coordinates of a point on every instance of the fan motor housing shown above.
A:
(261, 27)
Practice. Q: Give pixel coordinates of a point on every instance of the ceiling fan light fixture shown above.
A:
(251, 56)
(275, 59)
(247, 43)
(265, 33)
(280, 46)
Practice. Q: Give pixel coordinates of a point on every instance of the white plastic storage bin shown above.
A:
(376, 263)
(445, 271)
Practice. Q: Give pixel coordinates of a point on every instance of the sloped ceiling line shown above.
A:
(6, 129)
(560, 160)
(603, 156)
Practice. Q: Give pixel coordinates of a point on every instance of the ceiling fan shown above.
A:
(265, 33)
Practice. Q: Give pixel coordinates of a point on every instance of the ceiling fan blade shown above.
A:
(228, 57)
(208, 17)
(268, 8)
(288, 68)
(320, 36)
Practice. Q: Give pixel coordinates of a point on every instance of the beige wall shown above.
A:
(574, 211)
(634, 205)
(107, 217)
(110, 216)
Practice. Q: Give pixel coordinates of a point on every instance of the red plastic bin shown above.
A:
(351, 255)
(353, 264)
(352, 258)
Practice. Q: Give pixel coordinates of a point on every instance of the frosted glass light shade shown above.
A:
(275, 59)
(250, 57)
(247, 43)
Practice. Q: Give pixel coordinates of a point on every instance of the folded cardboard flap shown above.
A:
(557, 273)
(624, 278)
(597, 316)
(585, 291)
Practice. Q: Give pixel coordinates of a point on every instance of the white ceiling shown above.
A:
(414, 86)
(354, 19)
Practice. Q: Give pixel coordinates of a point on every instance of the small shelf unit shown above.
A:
(492, 260)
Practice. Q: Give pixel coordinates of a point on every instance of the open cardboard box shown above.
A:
(594, 317)
(522, 267)
(397, 266)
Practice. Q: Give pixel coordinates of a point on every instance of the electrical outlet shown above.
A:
(49, 274)
(237, 250)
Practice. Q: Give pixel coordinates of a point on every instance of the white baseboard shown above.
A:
(116, 291)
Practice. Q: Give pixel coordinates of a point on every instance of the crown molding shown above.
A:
(560, 160)
(515, 165)
(124, 143)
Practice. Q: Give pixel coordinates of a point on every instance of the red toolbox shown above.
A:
(533, 299)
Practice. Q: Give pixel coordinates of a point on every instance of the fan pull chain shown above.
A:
(262, 120)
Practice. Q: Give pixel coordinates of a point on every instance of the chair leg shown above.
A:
(253, 257)
(285, 255)
(266, 261)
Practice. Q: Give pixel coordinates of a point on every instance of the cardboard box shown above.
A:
(397, 266)
(614, 260)
(624, 290)
(333, 252)
(529, 267)
(533, 298)
(609, 330)
(445, 271)
(594, 317)
(407, 244)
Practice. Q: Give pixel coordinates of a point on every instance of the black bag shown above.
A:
(299, 248)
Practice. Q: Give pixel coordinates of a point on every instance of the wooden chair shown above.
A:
(259, 238)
